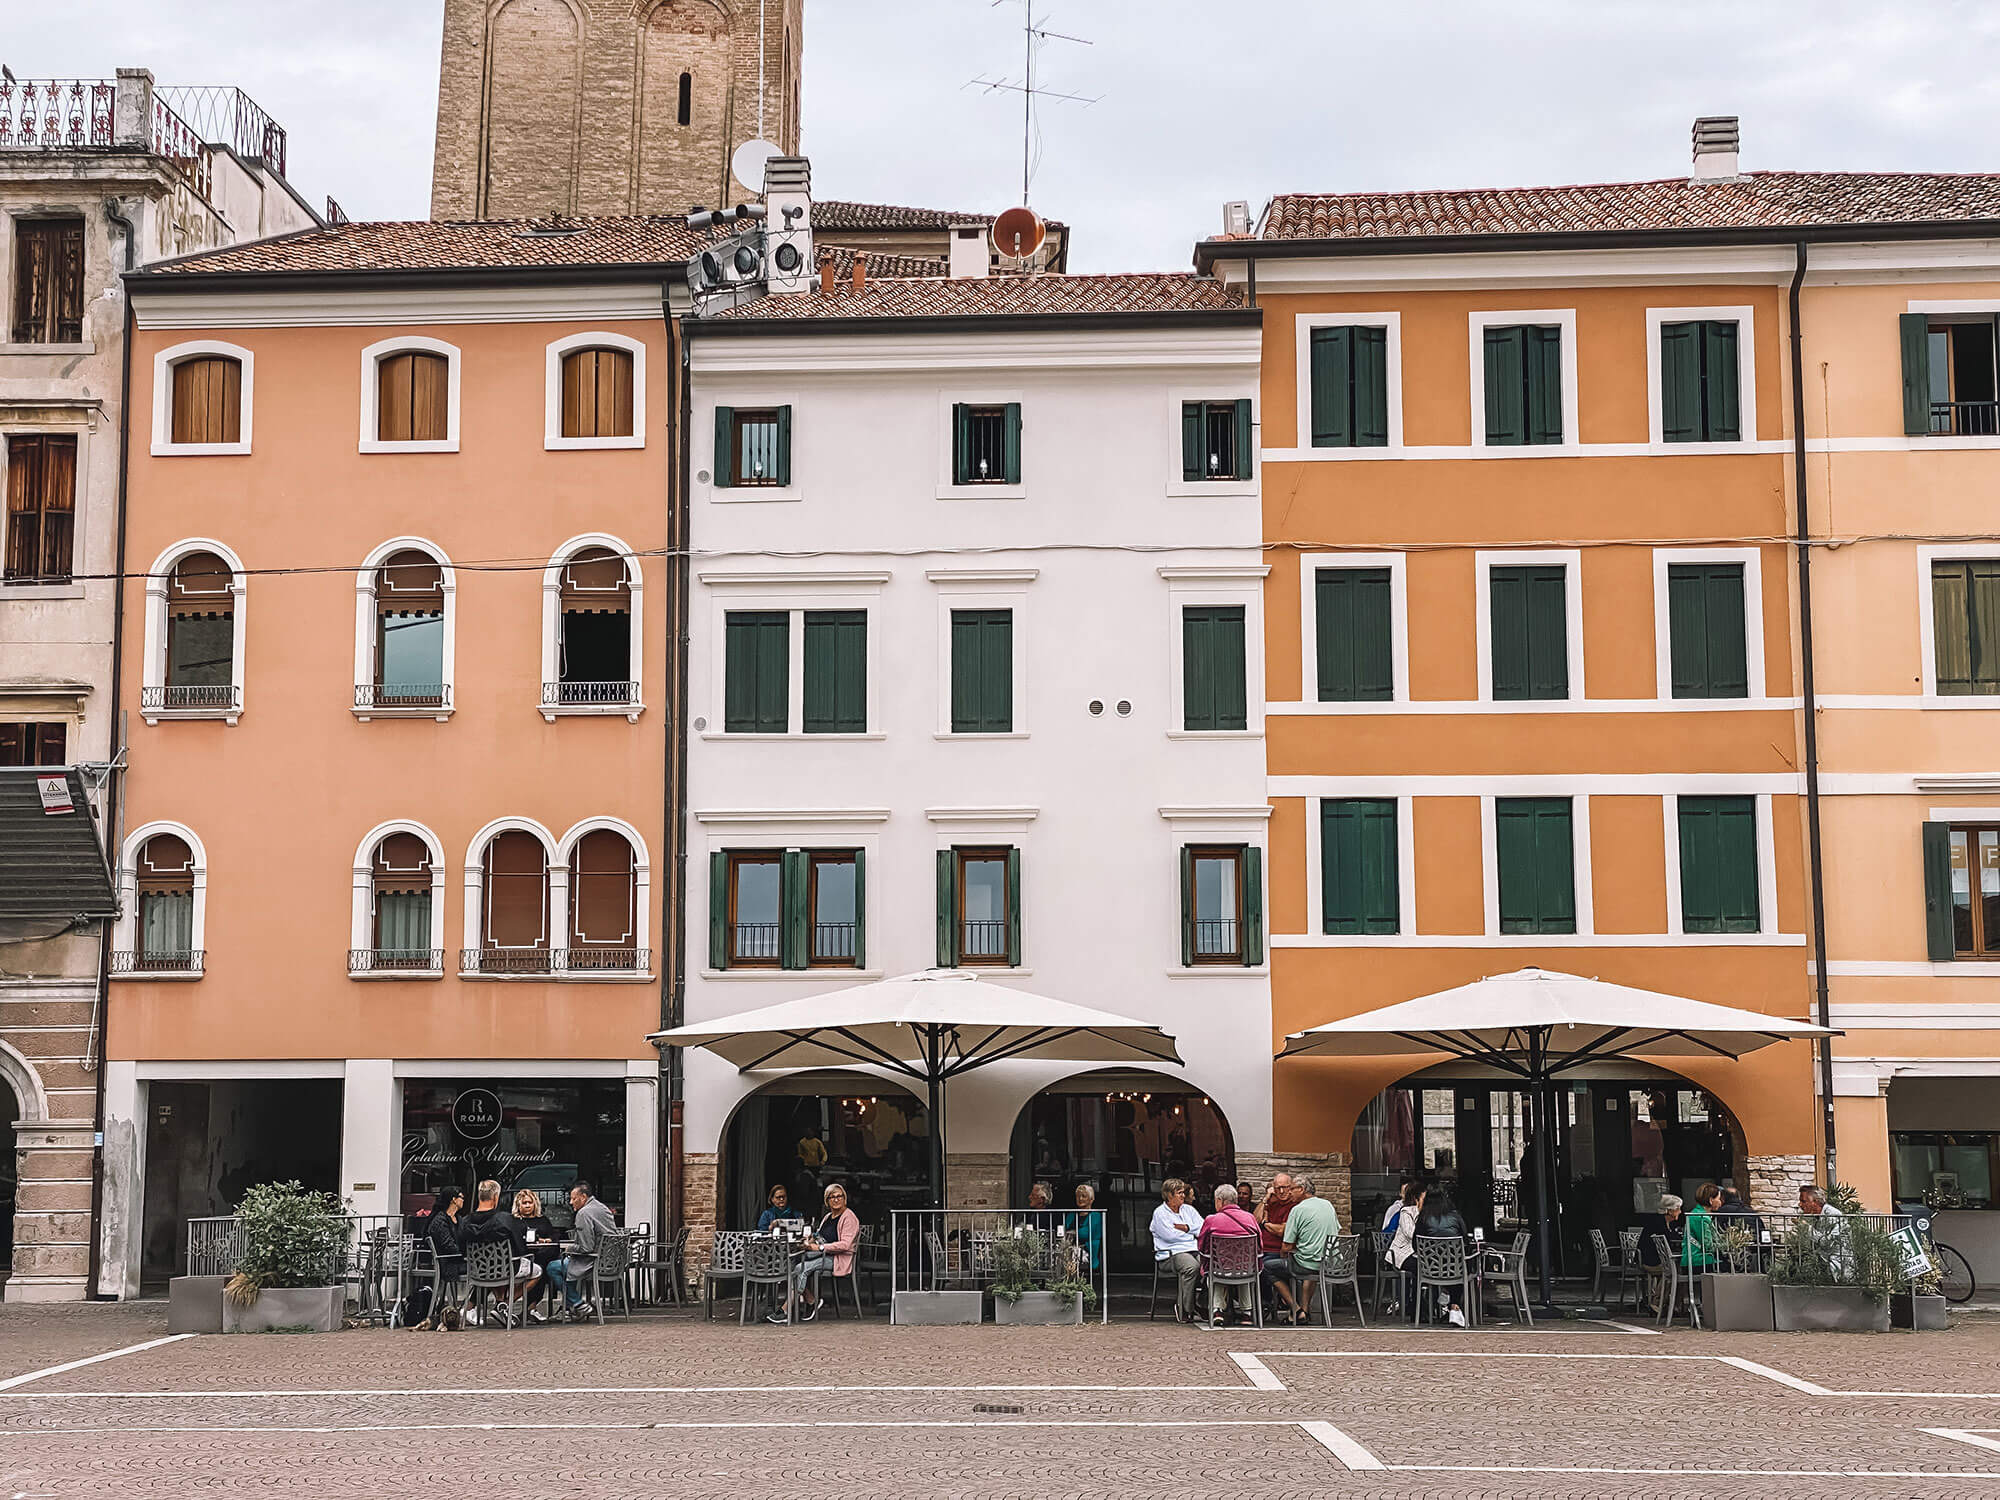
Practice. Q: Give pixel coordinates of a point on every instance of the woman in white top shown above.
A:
(1401, 1246)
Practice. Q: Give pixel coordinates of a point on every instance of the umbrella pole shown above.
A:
(1544, 1120)
(933, 1067)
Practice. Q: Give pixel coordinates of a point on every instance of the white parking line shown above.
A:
(1259, 1374)
(1988, 1475)
(1975, 1436)
(786, 1424)
(1752, 1367)
(1651, 1333)
(77, 1364)
(1340, 1445)
(592, 1390)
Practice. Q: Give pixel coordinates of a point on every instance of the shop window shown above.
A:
(48, 281)
(1944, 1168)
(41, 508)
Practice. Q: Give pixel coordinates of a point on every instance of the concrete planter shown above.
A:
(1038, 1310)
(935, 1309)
(1827, 1309)
(1737, 1303)
(1922, 1314)
(194, 1304)
(318, 1308)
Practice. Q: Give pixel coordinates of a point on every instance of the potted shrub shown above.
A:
(1736, 1296)
(286, 1275)
(1834, 1274)
(1028, 1288)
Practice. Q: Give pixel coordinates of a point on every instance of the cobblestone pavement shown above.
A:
(673, 1407)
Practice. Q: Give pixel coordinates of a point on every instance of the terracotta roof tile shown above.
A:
(424, 245)
(1755, 200)
(1020, 296)
(880, 263)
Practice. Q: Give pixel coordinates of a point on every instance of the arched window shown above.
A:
(591, 631)
(596, 396)
(162, 890)
(604, 904)
(514, 915)
(202, 398)
(685, 113)
(194, 635)
(398, 891)
(409, 396)
(409, 632)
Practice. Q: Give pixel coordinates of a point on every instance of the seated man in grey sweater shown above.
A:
(572, 1272)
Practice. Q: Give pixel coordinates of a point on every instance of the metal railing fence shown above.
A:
(951, 1249)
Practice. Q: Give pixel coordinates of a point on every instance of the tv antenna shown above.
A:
(1033, 36)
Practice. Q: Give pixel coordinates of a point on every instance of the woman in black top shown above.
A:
(446, 1211)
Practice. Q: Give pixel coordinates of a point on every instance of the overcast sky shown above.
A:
(1200, 102)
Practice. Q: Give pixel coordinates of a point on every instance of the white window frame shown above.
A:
(1484, 562)
(1745, 319)
(1217, 585)
(361, 925)
(1476, 325)
(978, 396)
(1311, 565)
(1752, 560)
(371, 393)
(790, 594)
(365, 632)
(552, 437)
(1579, 864)
(1406, 874)
(1393, 366)
(82, 511)
(1767, 873)
(556, 908)
(642, 899)
(1222, 390)
(1928, 553)
(125, 929)
(552, 629)
(164, 445)
(970, 589)
(153, 673)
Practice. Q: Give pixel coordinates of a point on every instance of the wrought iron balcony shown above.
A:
(505, 960)
(383, 698)
(833, 942)
(983, 942)
(1216, 941)
(57, 114)
(589, 694)
(1965, 418)
(206, 697)
(229, 117)
(184, 961)
(604, 960)
(754, 943)
(395, 960)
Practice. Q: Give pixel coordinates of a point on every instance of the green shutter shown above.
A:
(1535, 853)
(1352, 626)
(1013, 908)
(1506, 387)
(794, 890)
(836, 672)
(1939, 934)
(1371, 387)
(947, 909)
(1915, 329)
(1360, 889)
(1332, 373)
(1214, 670)
(1680, 382)
(1723, 404)
(860, 909)
(1253, 906)
(718, 910)
(725, 426)
(1527, 610)
(1245, 437)
(982, 671)
(961, 443)
(1187, 906)
(1544, 384)
(756, 671)
(784, 445)
(1707, 644)
(1194, 440)
(1718, 838)
(1011, 441)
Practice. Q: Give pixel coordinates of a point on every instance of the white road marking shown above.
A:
(1752, 1367)
(1651, 1333)
(1460, 1353)
(1975, 1436)
(595, 1390)
(1259, 1375)
(788, 1424)
(1928, 1395)
(77, 1364)
(1340, 1445)
(1989, 1475)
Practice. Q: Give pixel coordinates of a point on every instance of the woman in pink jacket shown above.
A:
(829, 1249)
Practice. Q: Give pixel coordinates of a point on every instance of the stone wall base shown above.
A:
(1332, 1174)
(698, 1195)
(43, 1289)
(1775, 1181)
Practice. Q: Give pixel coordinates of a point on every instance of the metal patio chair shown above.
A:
(1631, 1265)
(1388, 1280)
(725, 1263)
(490, 1267)
(766, 1262)
(1442, 1262)
(1342, 1267)
(1512, 1266)
(608, 1273)
(1601, 1260)
(1675, 1278)
(1235, 1260)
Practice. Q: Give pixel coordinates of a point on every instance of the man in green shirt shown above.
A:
(1309, 1228)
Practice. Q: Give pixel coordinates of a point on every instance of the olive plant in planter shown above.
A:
(1737, 1296)
(1834, 1273)
(1027, 1289)
(286, 1276)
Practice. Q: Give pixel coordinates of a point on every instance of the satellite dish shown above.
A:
(748, 163)
(1018, 233)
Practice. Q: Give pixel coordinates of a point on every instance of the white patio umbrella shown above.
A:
(1537, 1024)
(929, 1027)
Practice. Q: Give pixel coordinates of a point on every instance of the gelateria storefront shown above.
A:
(522, 1133)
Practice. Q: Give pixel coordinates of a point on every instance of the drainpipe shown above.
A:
(1815, 861)
(673, 1000)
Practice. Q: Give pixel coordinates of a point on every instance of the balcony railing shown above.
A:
(833, 942)
(139, 961)
(589, 694)
(505, 960)
(227, 116)
(604, 960)
(180, 143)
(57, 114)
(754, 943)
(395, 960)
(213, 696)
(1216, 941)
(1965, 418)
(983, 940)
(382, 697)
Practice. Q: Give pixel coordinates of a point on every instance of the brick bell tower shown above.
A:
(608, 106)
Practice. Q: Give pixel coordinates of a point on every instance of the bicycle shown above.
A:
(1955, 1278)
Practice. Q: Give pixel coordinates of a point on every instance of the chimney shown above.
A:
(788, 234)
(969, 259)
(1716, 139)
(132, 108)
(826, 271)
(1236, 217)
(860, 270)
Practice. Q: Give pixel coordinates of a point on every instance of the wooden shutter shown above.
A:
(1245, 438)
(756, 672)
(836, 667)
(725, 431)
(1706, 630)
(1213, 667)
(517, 890)
(1939, 937)
(982, 671)
(860, 909)
(208, 400)
(1530, 641)
(413, 393)
(784, 465)
(1187, 906)
(1722, 405)
(48, 281)
(1253, 906)
(1013, 908)
(794, 914)
(1370, 384)
(961, 443)
(1536, 855)
(1352, 626)
(1360, 888)
(1194, 440)
(1680, 382)
(1543, 350)
(1718, 839)
(947, 909)
(40, 521)
(718, 910)
(1506, 387)
(1010, 439)
(1332, 373)
(597, 393)
(1915, 332)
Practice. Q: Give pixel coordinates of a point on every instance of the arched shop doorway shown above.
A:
(1624, 1135)
(1123, 1132)
(816, 1128)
